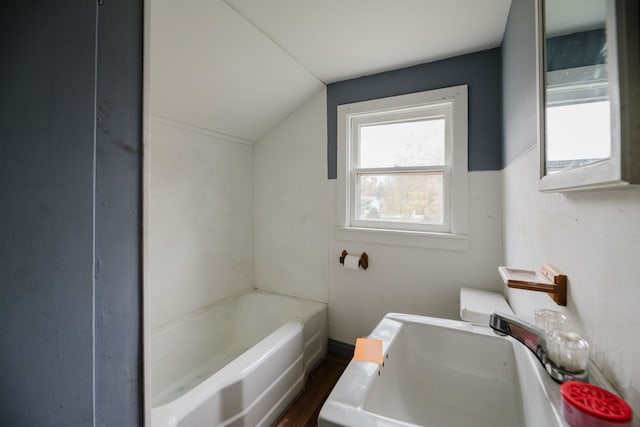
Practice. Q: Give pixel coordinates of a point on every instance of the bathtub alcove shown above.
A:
(238, 363)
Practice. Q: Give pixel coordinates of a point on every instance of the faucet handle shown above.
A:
(568, 350)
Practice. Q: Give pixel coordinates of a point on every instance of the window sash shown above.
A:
(443, 227)
(400, 169)
(399, 224)
(398, 115)
(423, 112)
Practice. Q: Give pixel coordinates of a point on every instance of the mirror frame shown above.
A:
(623, 48)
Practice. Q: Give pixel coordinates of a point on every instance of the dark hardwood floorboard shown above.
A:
(304, 411)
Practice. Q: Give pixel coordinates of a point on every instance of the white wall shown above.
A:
(198, 220)
(415, 280)
(290, 204)
(594, 238)
(296, 251)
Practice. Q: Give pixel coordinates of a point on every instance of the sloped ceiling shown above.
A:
(341, 39)
(211, 69)
(238, 67)
(568, 16)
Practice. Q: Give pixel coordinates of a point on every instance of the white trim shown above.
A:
(208, 132)
(583, 84)
(419, 239)
(456, 175)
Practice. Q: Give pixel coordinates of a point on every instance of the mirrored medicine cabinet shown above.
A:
(589, 90)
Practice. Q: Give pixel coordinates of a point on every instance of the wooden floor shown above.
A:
(304, 411)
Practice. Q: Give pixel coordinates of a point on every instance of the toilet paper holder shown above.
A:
(362, 263)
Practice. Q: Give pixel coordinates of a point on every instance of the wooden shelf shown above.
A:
(548, 280)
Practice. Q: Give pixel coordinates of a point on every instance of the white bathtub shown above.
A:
(239, 363)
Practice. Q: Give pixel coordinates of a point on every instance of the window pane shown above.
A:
(577, 135)
(416, 143)
(410, 197)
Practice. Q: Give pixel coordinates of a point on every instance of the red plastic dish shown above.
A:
(589, 405)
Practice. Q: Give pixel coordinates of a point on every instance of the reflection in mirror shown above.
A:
(577, 104)
(589, 80)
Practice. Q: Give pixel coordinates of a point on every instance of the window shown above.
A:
(403, 163)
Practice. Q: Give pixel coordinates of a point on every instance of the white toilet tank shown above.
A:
(477, 305)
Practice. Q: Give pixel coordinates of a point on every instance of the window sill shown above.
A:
(419, 239)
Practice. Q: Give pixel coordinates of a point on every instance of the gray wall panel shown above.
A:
(520, 96)
(47, 171)
(46, 214)
(118, 215)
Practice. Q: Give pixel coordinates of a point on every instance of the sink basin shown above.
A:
(440, 372)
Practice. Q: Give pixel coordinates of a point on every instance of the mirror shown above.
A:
(588, 76)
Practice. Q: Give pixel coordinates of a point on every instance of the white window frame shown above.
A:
(449, 102)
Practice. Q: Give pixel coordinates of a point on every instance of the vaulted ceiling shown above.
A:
(238, 67)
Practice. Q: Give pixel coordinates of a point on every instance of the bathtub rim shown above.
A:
(195, 313)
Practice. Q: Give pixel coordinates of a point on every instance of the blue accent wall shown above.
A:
(70, 213)
(481, 71)
(576, 50)
(519, 90)
(118, 215)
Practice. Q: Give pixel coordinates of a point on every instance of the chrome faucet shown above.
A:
(535, 339)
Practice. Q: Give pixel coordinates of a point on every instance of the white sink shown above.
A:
(440, 372)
